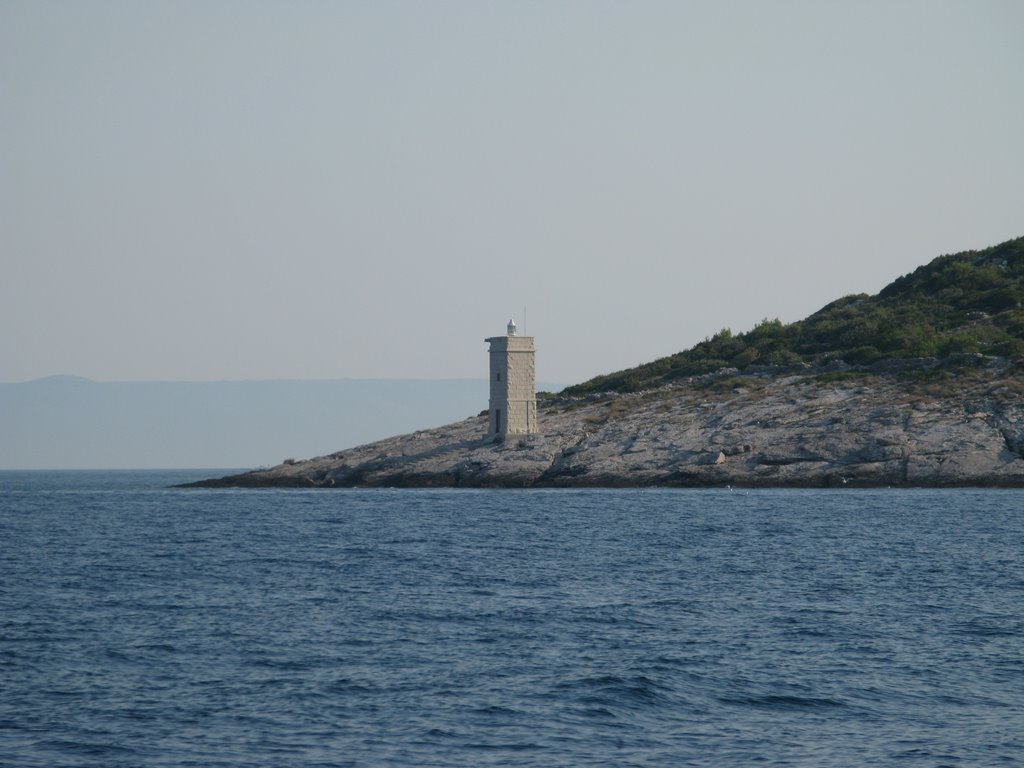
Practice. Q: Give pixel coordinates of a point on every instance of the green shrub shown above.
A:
(937, 310)
(959, 343)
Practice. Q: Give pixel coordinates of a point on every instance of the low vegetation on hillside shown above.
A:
(970, 302)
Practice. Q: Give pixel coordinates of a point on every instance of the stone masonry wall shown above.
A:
(513, 401)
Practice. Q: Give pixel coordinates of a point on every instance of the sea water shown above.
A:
(147, 626)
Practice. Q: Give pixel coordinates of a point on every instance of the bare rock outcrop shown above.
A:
(799, 430)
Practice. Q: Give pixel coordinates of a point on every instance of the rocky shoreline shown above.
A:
(945, 425)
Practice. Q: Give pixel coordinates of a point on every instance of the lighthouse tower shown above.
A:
(513, 404)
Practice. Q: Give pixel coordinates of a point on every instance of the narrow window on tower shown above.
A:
(497, 376)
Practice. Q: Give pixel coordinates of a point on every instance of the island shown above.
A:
(921, 385)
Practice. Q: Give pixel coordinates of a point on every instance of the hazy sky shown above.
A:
(226, 190)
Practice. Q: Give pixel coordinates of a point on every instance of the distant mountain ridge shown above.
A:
(69, 422)
(968, 302)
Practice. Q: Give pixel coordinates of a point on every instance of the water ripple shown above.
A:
(153, 628)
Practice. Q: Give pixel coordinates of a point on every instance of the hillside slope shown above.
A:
(970, 302)
(886, 390)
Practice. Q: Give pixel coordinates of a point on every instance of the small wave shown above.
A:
(496, 709)
(599, 713)
(90, 749)
(355, 641)
(615, 691)
(287, 665)
(345, 685)
(809, 632)
(783, 702)
(163, 647)
(511, 747)
(143, 716)
(680, 604)
(982, 629)
(441, 733)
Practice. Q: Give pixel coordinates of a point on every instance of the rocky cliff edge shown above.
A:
(930, 426)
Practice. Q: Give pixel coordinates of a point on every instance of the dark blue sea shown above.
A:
(146, 626)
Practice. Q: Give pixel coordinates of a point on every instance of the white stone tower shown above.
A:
(513, 405)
